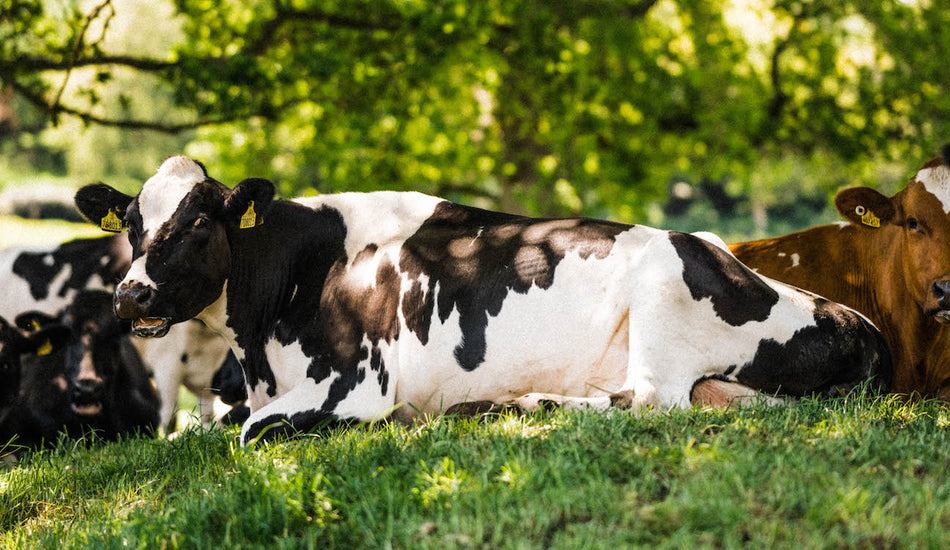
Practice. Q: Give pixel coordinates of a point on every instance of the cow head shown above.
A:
(88, 352)
(918, 218)
(179, 227)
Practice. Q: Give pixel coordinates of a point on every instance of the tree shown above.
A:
(585, 107)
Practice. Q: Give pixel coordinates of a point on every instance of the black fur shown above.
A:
(738, 295)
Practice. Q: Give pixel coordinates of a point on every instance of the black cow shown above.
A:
(79, 374)
(20, 425)
(359, 306)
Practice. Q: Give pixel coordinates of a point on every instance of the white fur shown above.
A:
(376, 217)
(936, 180)
(162, 193)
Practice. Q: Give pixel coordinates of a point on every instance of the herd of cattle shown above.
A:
(362, 306)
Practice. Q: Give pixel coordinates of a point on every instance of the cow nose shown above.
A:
(86, 389)
(941, 291)
(133, 299)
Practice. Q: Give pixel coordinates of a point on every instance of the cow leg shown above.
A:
(713, 392)
(543, 401)
(304, 408)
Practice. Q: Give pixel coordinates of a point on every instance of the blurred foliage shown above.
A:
(761, 108)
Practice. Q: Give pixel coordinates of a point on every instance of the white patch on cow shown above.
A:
(936, 180)
(138, 274)
(162, 193)
(795, 260)
(15, 294)
(48, 260)
(712, 238)
(842, 224)
(376, 218)
(280, 357)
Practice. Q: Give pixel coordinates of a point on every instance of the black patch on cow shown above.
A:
(738, 295)
(275, 288)
(277, 426)
(476, 257)
(839, 352)
(228, 381)
(84, 258)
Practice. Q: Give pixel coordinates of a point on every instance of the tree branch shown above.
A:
(130, 124)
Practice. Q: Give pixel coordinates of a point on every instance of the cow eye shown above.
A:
(201, 222)
(912, 224)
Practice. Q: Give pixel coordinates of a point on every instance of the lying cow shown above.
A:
(79, 374)
(47, 278)
(890, 261)
(353, 307)
(20, 426)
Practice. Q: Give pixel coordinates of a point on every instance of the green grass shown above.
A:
(821, 474)
(15, 231)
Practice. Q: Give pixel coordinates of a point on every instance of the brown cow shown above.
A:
(890, 261)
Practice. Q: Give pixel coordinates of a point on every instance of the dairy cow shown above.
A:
(47, 279)
(74, 374)
(351, 306)
(890, 261)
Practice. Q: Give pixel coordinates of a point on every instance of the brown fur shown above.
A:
(886, 273)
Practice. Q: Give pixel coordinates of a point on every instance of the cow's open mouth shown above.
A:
(87, 409)
(151, 327)
(942, 316)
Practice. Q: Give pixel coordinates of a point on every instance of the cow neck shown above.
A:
(278, 270)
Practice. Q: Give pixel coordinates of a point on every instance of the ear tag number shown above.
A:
(870, 219)
(45, 349)
(111, 222)
(249, 219)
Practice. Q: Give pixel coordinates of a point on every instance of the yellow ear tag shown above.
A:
(870, 219)
(111, 222)
(45, 349)
(249, 219)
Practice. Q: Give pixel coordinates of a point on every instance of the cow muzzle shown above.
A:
(132, 301)
(941, 291)
(86, 396)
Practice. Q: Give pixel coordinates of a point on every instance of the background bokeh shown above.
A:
(743, 116)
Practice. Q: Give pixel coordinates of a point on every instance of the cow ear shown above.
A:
(46, 340)
(247, 203)
(865, 206)
(33, 321)
(103, 206)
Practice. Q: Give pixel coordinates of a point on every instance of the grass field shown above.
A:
(857, 472)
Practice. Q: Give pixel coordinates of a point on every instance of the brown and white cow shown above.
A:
(360, 306)
(890, 261)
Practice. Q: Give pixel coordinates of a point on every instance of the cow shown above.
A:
(47, 278)
(352, 307)
(890, 260)
(20, 426)
(78, 374)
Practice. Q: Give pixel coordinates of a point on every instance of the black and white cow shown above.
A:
(357, 306)
(47, 279)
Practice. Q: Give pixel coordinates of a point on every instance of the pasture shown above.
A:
(856, 472)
